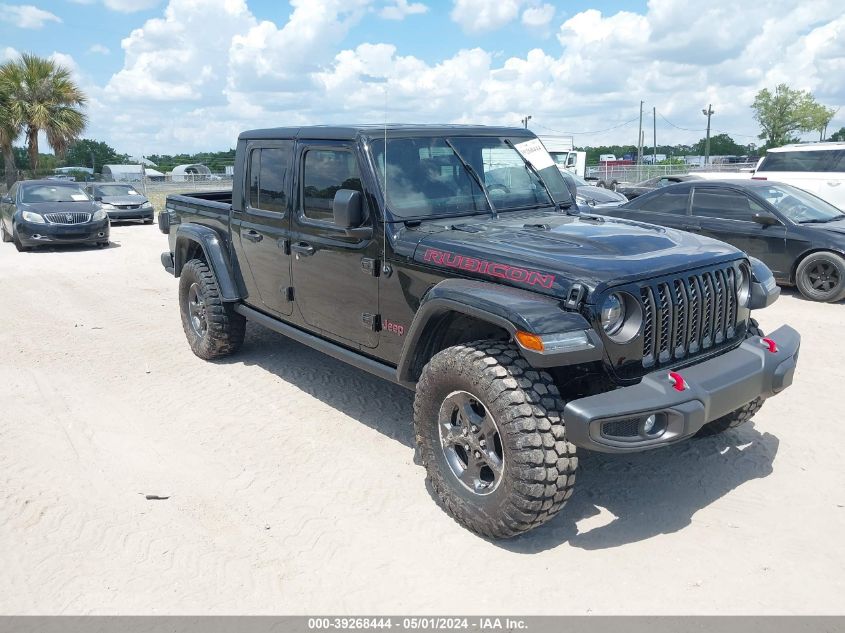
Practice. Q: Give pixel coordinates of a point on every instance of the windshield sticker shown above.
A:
(78, 197)
(491, 269)
(534, 152)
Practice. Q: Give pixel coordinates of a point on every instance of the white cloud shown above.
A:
(8, 53)
(401, 9)
(477, 16)
(26, 16)
(207, 69)
(124, 6)
(99, 49)
(538, 17)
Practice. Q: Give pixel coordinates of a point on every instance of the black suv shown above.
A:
(453, 261)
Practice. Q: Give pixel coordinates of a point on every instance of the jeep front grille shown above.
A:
(688, 314)
(71, 217)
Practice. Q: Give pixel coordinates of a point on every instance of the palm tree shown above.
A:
(42, 95)
(11, 124)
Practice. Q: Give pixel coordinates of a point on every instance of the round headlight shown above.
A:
(613, 313)
(743, 287)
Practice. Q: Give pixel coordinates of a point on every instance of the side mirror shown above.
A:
(347, 209)
(98, 198)
(765, 219)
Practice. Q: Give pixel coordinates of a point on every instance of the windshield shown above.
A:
(50, 193)
(798, 205)
(426, 178)
(579, 182)
(116, 190)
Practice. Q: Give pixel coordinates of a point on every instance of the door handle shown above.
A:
(302, 248)
(253, 236)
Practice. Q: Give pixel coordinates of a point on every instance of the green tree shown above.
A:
(80, 153)
(11, 125)
(785, 112)
(42, 95)
(720, 145)
(838, 136)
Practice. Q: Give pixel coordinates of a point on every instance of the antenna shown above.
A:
(384, 171)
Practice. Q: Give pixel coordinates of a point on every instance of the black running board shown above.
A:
(356, 359)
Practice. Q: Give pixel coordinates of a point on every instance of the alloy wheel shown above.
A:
(197, 310)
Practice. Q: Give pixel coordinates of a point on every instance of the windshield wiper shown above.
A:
(471, 171)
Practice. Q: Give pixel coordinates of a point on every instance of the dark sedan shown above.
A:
(587, 194)
(658, 182)
(49, 212)
(796, 234)
(121, 201)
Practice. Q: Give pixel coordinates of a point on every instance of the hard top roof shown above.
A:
(805, 147)
(54, 183)
(352, 132)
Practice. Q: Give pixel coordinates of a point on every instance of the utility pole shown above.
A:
(708, 113)
(640, 137)
(654, 128)
(526, 120)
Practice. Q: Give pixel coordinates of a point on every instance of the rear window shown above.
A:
(804, 161)
(672, 201)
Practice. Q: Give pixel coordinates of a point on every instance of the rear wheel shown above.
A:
(491, 436)
(821, 277)
(745, 412)
(212, 326)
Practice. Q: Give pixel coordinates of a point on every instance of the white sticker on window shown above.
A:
(78, 197)
(534, 152)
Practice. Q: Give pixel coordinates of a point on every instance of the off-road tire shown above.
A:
(3, 235)
(225, 329)
(745, 412)
(814, 265)
(539, 465)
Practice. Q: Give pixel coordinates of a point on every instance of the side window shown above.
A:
(723, 204)
(325, 172)
(806, 161)
(672, 201)
(267, 170)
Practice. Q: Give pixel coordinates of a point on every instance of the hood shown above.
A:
(837, 226)
(549, 251)
(600, 194)
(57, 207)
(124, 200)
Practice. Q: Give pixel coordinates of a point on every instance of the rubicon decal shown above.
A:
(491, 269)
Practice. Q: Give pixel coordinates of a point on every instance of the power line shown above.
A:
(686, 129)
(590, 132)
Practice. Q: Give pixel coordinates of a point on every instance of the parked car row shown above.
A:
(53, 212)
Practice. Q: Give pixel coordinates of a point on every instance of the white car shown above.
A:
(815, 167)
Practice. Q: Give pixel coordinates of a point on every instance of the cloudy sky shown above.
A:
(166, 76)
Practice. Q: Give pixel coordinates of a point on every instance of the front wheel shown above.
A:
(821, 277)
(17, 240)
(492, 439)
(3, 234)
(212, 326)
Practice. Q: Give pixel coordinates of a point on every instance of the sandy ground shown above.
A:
(293, 490)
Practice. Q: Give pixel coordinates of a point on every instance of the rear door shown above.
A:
(821, 172)
(727, 214)
(335, 275)
(264, 224)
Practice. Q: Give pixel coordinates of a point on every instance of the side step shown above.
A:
(356, 359)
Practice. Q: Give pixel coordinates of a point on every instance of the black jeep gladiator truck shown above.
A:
(452, 260)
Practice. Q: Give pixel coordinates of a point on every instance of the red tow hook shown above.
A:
(678, 382)
(773, 347)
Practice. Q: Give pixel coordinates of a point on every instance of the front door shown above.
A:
(727, 215)
(335, 275)
(263, 227)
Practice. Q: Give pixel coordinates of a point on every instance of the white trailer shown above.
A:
(562, 150)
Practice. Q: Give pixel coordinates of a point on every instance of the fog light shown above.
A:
(648, 425)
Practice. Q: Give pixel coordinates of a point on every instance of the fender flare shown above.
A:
(216, 255)
(509, 308)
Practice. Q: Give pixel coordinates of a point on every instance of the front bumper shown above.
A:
(130, 214)
(32, 234)
(613, 422)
